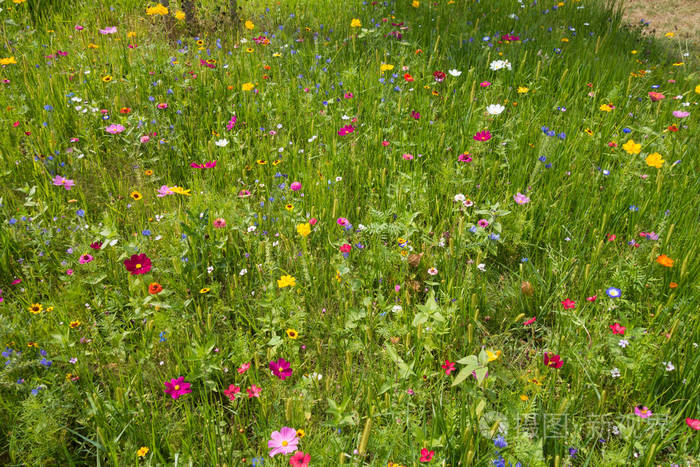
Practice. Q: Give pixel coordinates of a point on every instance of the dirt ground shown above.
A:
(680, 17)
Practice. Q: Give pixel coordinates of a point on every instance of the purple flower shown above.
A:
(521, 198)
(680, 113)
(114, 129)
(109, 30)
(281, 368)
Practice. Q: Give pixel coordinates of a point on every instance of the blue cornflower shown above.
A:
(500, 442)
(613, 292)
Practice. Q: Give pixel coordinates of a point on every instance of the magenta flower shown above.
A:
(281, 368)
(284, 441)
(138, 264)
(164, 191)
(642, 412)
(465, 157)
(617, 328)
(553, 360)
(482, 136)
(254, 391)
(162, 106)
(485, 84)
(483, 223)
(568, 304)
(299, 459)
(109, 30)
(345, 248)
(415, 115)
(219, 223)
(231, 123)
(84, 259)
(448, 366)
(177, 387)
(680, 113)
(64, 182)
(295, 186)
(521, 198)
(347, 129)
(232, 391)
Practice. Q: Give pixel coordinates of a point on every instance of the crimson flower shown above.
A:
(553, 360)
(530, 321)
(569, 304)
(281, 368)
(693, 423)
(482, 136)
(448, 366)
(426, 456)
(299, 459)
(138, 264)
(232, 391)
(345, 248)
(439, 76)
(618, 329)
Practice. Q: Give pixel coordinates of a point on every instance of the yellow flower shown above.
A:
(524, 397)
(669, 34)
(180, 15)
(106, 79)
(523, 90)
(181, 191)
(148, 172)
(605, 108)
(8, 61)
(493, 356)
(304, 229)
(249, 25)
(286, 281)
(93, 46)
(634, 52)
(300, 433)
(386, 67)
(697, 89)
(415, 4)
(292, 333)
(355, 23)
(142, 452)
(135, 195)
(677, 64)
(157, 10)
(204, 290)
(564, 39)
(276, 54)
(36, 308)
(130, 34)
(289, 207)
(588, 131)
(17, 2)
(655, 160)
(631, 147)
(247, 86)
(75, 324)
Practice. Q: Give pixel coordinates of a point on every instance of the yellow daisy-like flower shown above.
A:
(249, 25)
(93, 46)
(669, 34)
(631, 147)
(385, 67)
(181, 191)
(697, 89)
(247, 86)
(415, 4)
(524, 397)
(277, 161)
(276, 54)
(588, 131)
(204, 290)
(605, 108)
(180, 15)
(142, 451)
(250, 50)
(492, 356)
(289, 207)
(200, 42)
(130, 34)
(157, 10)
(106, 79)
(261, 162)
(304, 229)
(148, 172)
(655, 160)
(135, 195)
(355, 23)
(300, 433)
(8, 61)
(36, 308)
(523, 90)
(17, 2)
(286, 281)
(292, 333)
(75, 324)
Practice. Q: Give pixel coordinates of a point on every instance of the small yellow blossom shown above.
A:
(523, 90)
(655, 160)
(304, 229)
(142, 451)
(249, 25)
(631, 147)
(8, 61)
(355, 23)
(386, 67)
(247, 86)
(180, 15)
(157, 10)
(286, 281)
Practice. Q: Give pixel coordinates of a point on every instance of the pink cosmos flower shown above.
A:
(164, 191)
(219, 223)
(64, 182)
(680, 113)
(465, 157)
(244, 194)
(592, 298)
(243, 368)
(656, 96)
(313, 221)
(342, 221)
(426, 456)
(483, 223)
(408, 156)
(254, 391)
(109, 30)
(385, 143)
(138, 264)
(552, 360)
(347, 129)
(295, 186)
(482, 136)
(114, 129)
(284, 441)
(521, 198)
(281, 368)
(79, 27)
(530, 321)
(232, 391)
(162, 106)
(568, 304)
(485, 84)
(448, 366)
(642, 412)
(349, 95)
(415, 114)
(177, 387)
(299, 459)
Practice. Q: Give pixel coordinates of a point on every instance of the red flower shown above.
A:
(299, 459)
(592, 298)
(232, 391)
(530, 321)
(552, 360)
(154, 288)
(618, 329)
(408, 77)
(693, 423)
(569, 304)
(439, 76)
(449, 367)
(482, 136)
(345, 248)
(673, 128)
(612, 237)
(426, 456)
(138, 264)
(96, 245)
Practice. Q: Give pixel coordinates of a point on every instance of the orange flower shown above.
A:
(154, 288)
(673, 285)
(664, 260)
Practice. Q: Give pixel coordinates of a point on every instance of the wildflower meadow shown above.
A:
(374, 233)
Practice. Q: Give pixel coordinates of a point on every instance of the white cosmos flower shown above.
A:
(454, 72)
(459, 197)
(495, 109)
(221, 142)
(499, 64)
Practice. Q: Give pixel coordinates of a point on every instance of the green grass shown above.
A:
(375, 325)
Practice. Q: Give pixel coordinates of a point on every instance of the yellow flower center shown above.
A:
(138, 266)
(284, 443)
(177, 387)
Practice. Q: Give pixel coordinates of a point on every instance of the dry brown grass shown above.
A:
(681, 17)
